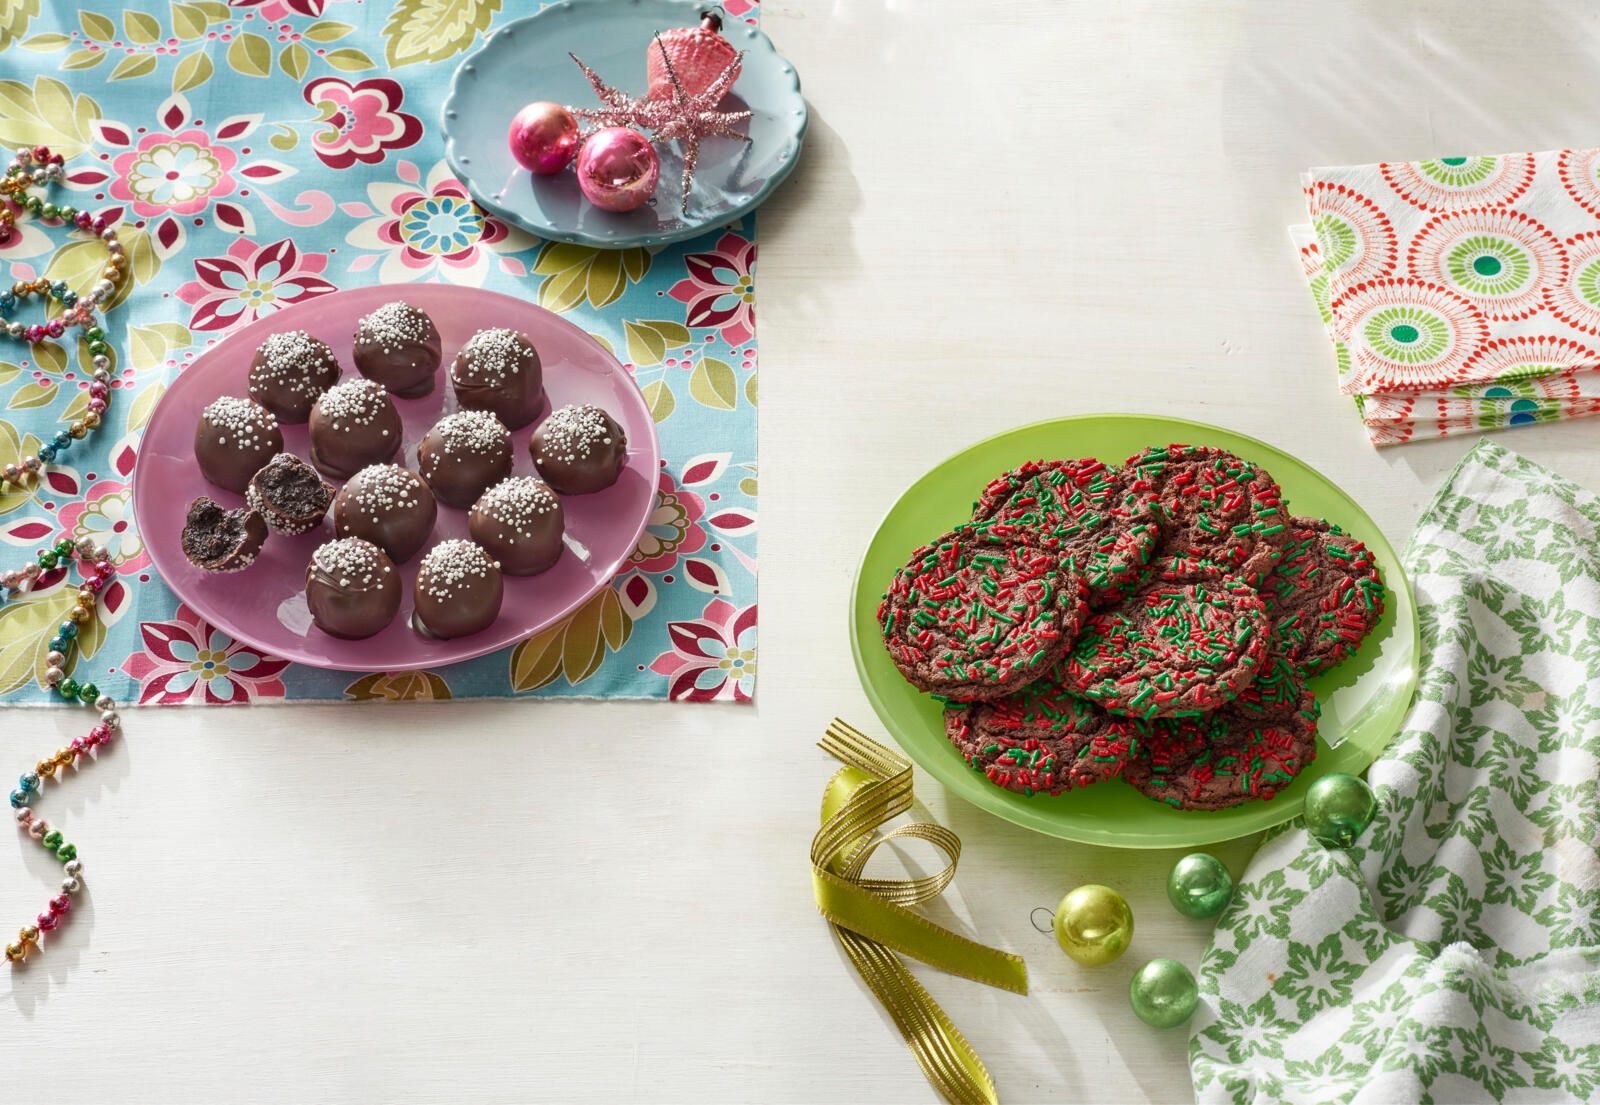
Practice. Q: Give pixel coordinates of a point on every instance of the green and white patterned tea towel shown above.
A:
(1454, 954)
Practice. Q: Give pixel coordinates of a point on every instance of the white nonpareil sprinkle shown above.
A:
(381, 489)
(352, 561)
(451, 565)
(291, 357)
(518, 503)
(493, 356)
(393, 326)
(572, 433)
(243, 421)
(353, 403)
(473, 432)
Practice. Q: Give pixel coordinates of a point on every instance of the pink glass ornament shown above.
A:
(698, 55)
(617, 169)
(543, 137)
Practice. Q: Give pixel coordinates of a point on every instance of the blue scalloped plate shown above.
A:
(527, 60)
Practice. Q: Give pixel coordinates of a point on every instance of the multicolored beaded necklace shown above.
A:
(39, 166)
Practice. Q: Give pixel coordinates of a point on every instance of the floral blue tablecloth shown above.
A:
(264, 152)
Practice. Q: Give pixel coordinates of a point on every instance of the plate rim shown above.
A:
(1067, 831)
(469, 652)
(448, 111)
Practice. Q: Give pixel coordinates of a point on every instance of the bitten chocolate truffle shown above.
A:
(458, 590)
(398, 346)
(352, 588)
(519, 522)
(289, 371)
(233, 439)
(289, 494)
(216, 539)
(498, 371)
(389, 506)
(463, 454)
(579, 449)
(353, 424)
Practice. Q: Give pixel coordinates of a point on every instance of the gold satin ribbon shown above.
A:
(870, 918)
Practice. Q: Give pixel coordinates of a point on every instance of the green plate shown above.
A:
(1363, 700)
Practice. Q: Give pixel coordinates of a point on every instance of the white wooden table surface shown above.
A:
(1005, 212)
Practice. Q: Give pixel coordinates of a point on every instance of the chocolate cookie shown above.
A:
(498, 371)
(216, 539)
(398, 346)
(353, 424)
(1325, 596)
(971, 620)
(289, 494)
(233, 439)
(290, 369)
(1081, 509)
(1170, 649)
(1277, 688)
(1042, 739)
(1223, 759)
(1214, 506)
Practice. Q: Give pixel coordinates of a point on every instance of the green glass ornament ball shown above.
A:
(1199, 885)
(1163, 993)
(1094, 924)
(1339, 808)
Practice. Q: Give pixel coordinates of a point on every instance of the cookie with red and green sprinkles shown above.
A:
(1325, 596)
(1173, 648)
(1042, 739)
(1220, 760)
(1214, 506)
(969, 619)
(1278, 687)
(1082, 509)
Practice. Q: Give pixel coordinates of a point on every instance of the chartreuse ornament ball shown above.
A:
(1163, 993)
(1339, 808)
(1094, 924)
(1199, 885)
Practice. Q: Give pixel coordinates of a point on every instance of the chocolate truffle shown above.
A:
(289, 494)
(498, 371)
(353, 424)
(389, 506)
(220, 540)
(463, 454)
(398, 346)
(288, 373)
(352, 588)
(458, 590)
(234, 438)
(519, 521)
(579, 449)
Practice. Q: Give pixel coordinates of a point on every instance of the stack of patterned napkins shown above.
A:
(1461, 294)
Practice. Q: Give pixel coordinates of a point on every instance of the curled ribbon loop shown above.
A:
(870, 918)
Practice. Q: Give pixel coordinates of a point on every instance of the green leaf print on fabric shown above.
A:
(1454, 953)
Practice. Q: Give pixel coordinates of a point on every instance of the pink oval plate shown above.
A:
(265, 605)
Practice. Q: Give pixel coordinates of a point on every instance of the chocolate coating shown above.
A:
(352, 588)
(458, 590)
(389, 506)
(289, 494)
(464, 454)
(579, 449)
(216, 539)
(498, 370)
(234, 438)
(289, 371)
(398, 346)
(519, 522)
(353, 424)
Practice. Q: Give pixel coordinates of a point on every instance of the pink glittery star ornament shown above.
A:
(683, 117)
